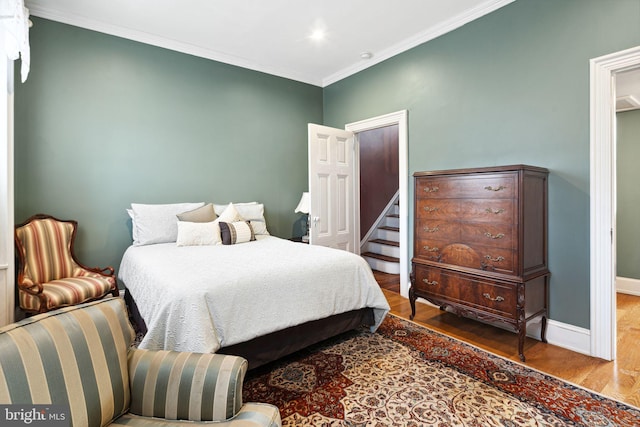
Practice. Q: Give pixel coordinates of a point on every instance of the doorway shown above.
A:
(602, 198)
(398, 119)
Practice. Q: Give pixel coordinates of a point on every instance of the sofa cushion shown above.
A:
(251, 415)
(75, 357)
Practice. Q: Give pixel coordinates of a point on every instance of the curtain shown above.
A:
(14, 23)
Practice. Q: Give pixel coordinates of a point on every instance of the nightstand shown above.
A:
(297, 239)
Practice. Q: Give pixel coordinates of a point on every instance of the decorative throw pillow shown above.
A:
(203, 214)
(157, 223)
(250, 211)
(236, 232)
(229, 215)
(197, 233)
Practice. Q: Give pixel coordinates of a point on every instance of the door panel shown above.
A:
(331, 188)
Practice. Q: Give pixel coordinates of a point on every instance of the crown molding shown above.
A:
(199, 51)
(420, 38)
(166, 43)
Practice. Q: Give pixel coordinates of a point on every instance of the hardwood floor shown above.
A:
(619, 379)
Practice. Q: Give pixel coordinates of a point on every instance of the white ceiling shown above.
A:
(273, 36)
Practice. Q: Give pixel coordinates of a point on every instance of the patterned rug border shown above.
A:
(515, 362)
(620, 405)
(289, 383)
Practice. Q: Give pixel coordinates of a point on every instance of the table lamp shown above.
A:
(304, 206)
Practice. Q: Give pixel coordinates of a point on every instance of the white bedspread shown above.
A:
(202, 298)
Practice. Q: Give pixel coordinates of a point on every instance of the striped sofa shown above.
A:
(80, 359)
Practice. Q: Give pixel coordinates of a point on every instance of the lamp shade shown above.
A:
(304, 204)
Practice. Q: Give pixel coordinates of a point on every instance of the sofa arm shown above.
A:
(185, 386)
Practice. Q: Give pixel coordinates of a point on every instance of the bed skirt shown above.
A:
(267, 348)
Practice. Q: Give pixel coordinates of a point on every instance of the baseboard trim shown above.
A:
(568, 336)
(626, 285)
(560, 334)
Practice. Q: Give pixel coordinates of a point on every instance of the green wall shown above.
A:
(628, 197)
(102, 122)
(511, 87)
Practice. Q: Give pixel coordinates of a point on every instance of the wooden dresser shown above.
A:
(480, 244)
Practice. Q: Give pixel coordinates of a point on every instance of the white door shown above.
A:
(333, 189)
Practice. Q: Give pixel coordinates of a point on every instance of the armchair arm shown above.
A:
(185, 386)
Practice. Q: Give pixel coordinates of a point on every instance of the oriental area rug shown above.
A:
(407, 375)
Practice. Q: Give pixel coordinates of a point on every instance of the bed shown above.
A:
(260, 299)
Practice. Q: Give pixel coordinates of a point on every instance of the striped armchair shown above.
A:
(49, 275)
(79, 362)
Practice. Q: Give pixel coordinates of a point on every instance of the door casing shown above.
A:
(602, 198)
(398, 118)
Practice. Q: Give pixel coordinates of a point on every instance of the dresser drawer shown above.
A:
(497, 260)
(446, 209)
(437, 230)
(489, 235)
(476, 293)
(484, 295)
(429, 249)
(433, 282)
(493, 186)
(495, 211)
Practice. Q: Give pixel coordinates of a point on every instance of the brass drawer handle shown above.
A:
(428, 249)
(431, 189)
(498, 259)
(430, 209)
(497, 236)
(496, 299)
(432, 283)
(432, 230)
(494, 211)
(490, 188)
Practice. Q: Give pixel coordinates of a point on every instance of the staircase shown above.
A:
(382, 248)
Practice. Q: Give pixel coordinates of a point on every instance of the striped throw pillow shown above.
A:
(236, 232)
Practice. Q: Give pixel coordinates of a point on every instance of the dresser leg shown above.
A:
(412, 300)
(543, 331)
(521, 336)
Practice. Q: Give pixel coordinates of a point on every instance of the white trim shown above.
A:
(626, 285)
(7, 269)
(399, 118)
(418, 39)
(560, 334)
(602, 198)
(166, 43)
(482, 9)
(380, 218)
(569, 336)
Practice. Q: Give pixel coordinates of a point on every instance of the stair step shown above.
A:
(385, 242)
(380, 257)
(394, 215)
(389, 228)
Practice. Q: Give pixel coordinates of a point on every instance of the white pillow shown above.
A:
(250, 211)
(158, 223)
(239, 206)
(197, 233)
(230, 214)
(134, 231)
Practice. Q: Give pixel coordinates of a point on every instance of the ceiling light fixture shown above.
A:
(318, 35)
(366, 55)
